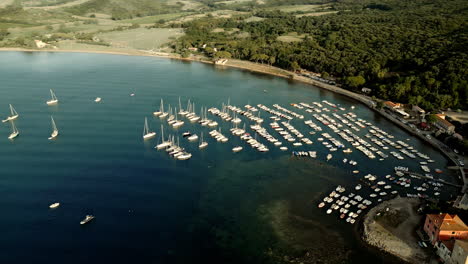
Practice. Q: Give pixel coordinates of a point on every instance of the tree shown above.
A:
(222, 54)
(355, 81)
(431, 119)
(379, 105)
(294, 66)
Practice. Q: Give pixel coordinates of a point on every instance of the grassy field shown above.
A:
(317, 13)
(141, 38)
(153, 19)
(297, 8)
(291, 37)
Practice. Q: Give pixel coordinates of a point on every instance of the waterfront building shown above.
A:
(443, 227)
(418, 110)
(444, 250)
(460, 252)
(443, 124)
(391, 105)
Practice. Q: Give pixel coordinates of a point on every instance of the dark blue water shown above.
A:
(218, 207)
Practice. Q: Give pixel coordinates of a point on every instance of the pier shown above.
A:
(420, 176)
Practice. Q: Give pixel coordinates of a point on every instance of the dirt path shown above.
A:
(74, 3)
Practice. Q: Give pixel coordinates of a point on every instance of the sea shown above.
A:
(217, 207)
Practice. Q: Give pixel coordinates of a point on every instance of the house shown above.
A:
(391, 105)
(443, 227)
(220, 61)
(402, 113)
(443, 124)
(192, 49)
(40, 44)
(444, 250)
(366, 90)
(460, 252)
(418, 110)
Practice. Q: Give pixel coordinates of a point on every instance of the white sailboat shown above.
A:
(163, 144)
(55, 131)
(146, 133)
(203, 144)
(14, 131)
(161, 109)
(53, 100)
(13, 115)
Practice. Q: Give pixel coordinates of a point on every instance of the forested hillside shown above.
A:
(407, 51)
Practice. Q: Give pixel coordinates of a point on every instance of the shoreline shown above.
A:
(272, 71)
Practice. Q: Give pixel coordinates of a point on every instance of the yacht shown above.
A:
(237, 149)
(193, 137)
(55, 131)
(348, 150)
(87, 219)
(13, 115)
(54, 205)
(14, 131)
(184, 156)
(146, 133)
(97, 100)
(53, 100)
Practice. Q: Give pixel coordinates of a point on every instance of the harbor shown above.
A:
(247, 160)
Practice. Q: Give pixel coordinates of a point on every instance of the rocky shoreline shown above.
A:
(390, 228)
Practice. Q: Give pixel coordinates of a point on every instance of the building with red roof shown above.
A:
(443, 227)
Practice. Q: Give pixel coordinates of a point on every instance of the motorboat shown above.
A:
(87, 219)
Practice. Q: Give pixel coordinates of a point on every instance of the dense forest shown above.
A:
(407, 51)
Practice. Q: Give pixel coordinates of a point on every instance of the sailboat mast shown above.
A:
(145, 129)
(54, 127)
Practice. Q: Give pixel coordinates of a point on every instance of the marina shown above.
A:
(244, 145)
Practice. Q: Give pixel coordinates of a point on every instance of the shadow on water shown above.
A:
(266, 212)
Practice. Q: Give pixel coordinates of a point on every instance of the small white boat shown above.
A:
(329, 156)
(97, 100)
(54, 205)
(55, 131)
(14, 131)
(53, 100)
(146, 133)
(13, 115)
(193, 137)
(87, 219)
(184, 156)
(283, 148)
(237, 149)
(348, 150)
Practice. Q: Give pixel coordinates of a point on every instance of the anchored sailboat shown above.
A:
(13, 115)
(146, 133)
(53, 100)
(55, 131)
(203, 144)
(163, 144)
(161, 109)
(14, 131)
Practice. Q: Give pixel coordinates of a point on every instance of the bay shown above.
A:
(218, 207)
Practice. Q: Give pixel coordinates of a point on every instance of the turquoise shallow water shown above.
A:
(148, 207)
